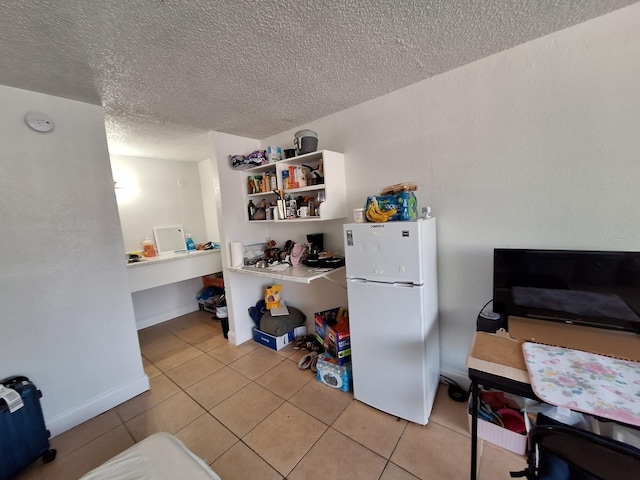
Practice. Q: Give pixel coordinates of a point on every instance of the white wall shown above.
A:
(67, 319)
(159, 304)
(156, 193)
(536, 146)
(242, 291)
(209, 194)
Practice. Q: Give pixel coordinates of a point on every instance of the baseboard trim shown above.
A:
(166, 315)
(461, 377)
(240, 337)
(100, 404)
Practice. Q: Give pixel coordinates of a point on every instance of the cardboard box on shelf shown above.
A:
(332, 374)
(277, 343)
(332, 331)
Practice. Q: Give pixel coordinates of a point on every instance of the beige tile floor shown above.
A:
(251, 413)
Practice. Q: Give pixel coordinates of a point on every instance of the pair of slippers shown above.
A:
(310, 342)
(310, 360)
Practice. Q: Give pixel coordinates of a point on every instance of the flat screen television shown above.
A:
(594, 288)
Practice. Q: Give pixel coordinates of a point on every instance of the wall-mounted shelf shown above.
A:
(325, 179)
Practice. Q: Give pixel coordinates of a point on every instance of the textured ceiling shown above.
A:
(167, 71)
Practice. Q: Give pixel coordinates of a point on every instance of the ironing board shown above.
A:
(585, 382)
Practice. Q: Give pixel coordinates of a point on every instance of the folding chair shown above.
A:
(559, 452)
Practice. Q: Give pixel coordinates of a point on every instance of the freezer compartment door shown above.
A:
(402, 252)
(394, 348)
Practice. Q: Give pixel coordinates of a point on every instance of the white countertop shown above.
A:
(299, 273)
(173, 267)
(168, 257)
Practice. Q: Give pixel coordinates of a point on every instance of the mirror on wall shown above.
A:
(169, 239)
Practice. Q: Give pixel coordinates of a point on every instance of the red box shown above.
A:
(213, 281)
(293, 181)
(332, 331)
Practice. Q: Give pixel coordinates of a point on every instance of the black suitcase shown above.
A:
(23, 434)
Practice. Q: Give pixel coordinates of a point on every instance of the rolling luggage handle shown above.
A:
(11, 398)
(11, 382)
(23, 434)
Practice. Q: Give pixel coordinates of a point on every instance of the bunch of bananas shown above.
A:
(375, 214)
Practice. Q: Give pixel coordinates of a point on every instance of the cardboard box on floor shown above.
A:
(613, 343)
(278, 343)
(332, 331)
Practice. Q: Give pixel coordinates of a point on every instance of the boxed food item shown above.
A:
(332, 374)
(277, 343)
(332, 331)
(399, 187)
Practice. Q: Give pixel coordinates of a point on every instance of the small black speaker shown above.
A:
(490, 322)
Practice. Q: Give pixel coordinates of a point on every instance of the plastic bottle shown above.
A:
(251, 209)
(148, 249)
(191, 245)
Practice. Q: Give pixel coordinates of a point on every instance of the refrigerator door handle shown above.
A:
(389, 284)
(356, 279)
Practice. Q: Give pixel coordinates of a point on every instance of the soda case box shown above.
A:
(332, 331)
(332, 374)
(277, 343)
(405, 203)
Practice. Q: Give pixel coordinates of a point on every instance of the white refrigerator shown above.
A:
(393, 315)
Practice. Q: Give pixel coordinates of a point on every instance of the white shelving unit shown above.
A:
(332, 184)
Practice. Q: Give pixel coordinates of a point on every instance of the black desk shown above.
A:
(494, 361)
(479, 377)
(497, 361)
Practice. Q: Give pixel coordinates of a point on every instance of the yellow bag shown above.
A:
(272, 296)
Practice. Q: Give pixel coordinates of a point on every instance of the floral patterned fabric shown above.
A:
(585, 382)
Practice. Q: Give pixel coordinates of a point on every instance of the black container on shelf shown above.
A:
(221, 314)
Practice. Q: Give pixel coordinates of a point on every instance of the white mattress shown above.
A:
(160, 456)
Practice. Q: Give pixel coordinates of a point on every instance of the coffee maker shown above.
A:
(316, 244)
